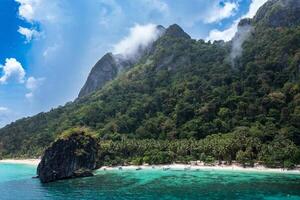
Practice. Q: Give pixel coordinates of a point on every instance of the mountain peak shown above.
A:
(176, 31)
(279, 13)
(161, 28)
(104, 70)
(110, 65)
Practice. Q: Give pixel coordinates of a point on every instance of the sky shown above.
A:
(48, 47)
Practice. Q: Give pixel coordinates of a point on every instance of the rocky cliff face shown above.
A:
(110, 65)
(105, 70)
(73, 156)
(279, 13)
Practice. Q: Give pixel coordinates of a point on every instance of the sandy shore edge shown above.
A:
(34, 162)
(197, 167)
(186, 167)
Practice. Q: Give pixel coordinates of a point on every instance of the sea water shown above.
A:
(16, 183)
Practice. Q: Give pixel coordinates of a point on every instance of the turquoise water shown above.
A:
(16, 183)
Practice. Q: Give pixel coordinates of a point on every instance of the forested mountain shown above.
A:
(190, 99)
(110, 65)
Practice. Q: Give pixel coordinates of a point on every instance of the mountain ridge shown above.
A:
(185, 89)
(110, 65)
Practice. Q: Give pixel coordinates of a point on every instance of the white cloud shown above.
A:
(3, 109)
(229, 33)
(254, 6)
(225, 35)
(12, 69)
(220, 12)
(40, 10)
(32, 85)
(28, 33)
(27, 9)
(140, 36)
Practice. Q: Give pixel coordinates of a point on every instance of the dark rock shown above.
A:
(69, 157)
(82, 173)
(161, 29)
(245, 22)
(106, 69)
(279, 13)
(176, 31)
(110, 65)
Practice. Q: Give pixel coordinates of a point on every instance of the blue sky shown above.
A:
(48, 47)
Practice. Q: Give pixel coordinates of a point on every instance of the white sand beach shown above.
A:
(21, 161)
(233, 167)
(202, 167)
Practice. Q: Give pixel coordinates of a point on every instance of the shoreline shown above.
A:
(33, 162)
(187, 167)
(166, 167)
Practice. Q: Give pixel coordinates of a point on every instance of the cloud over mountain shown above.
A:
(140, 36)
(228, 33)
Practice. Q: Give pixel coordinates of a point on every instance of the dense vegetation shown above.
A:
(186, 100)
(242, 145)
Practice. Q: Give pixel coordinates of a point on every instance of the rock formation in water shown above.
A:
(69, 157)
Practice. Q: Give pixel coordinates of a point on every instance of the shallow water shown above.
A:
(16, 183)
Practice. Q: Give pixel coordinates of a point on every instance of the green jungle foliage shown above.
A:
(241, 145)
(185, 100)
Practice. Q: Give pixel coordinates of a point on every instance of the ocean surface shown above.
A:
(16, 183)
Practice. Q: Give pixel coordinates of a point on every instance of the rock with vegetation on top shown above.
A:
(73, 155)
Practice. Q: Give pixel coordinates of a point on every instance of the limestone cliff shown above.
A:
(104, 70)
(279, 13)
(110, 65)
(69, 157)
